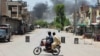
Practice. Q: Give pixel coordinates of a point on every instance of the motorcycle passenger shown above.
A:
(49, 40)
(56, 41)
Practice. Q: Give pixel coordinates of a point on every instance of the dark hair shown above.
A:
(54, 33)
(49, 33)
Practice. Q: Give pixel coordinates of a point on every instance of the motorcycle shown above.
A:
(39, 49)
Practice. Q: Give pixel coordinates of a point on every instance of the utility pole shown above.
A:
(75, 17)
(0, 10)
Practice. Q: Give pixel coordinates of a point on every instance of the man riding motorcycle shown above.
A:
(56, 41)
(51, 43)
(49, 40)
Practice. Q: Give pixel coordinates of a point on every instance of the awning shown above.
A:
(82, 25)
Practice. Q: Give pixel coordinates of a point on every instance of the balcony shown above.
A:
(14, 9)
(19, 3)
(14, 3)
(14, 16)
(24, 11)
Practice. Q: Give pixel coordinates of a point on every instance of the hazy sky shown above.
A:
(32, 3)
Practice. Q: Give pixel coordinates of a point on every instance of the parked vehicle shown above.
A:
(5, 32)
(31, 27)
(68, 28)
(93, 32)
(97, 32)
(38, 26)
(88, 33)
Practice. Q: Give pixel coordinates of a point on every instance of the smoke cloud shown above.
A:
(43, 11)
(70, 4)
(57, 1)
(39, 10)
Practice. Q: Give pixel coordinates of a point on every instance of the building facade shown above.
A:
(15, 14)
(3, 11)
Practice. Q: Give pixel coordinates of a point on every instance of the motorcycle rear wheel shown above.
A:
(37, 50)
(56, 51)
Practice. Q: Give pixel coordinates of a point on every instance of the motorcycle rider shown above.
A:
(47, 44)
(49, 40)
(56, 41)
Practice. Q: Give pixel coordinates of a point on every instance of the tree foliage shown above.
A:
(59, 9)
(60, 20)
(41, 23)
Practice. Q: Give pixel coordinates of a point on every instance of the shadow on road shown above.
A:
(48, 55)
(4, 41)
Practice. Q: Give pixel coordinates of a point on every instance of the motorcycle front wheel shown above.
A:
(56, 51)
(37, 50)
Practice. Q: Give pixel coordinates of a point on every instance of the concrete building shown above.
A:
(91, 12)
(16, 9)
(3, 13)
(87, 14)
(14, 13)
(84, 14)
(98, 11)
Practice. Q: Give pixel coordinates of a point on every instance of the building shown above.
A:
(90, 12)
(17, 11)
(3, 12)
(84, 12)
(98, 11)
(14, 13)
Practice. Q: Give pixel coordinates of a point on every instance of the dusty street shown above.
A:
(18, 46)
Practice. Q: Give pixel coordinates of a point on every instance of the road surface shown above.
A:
(18, 46)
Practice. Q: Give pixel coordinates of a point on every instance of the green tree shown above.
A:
(41, 23)
(60, 19)
(67, 22)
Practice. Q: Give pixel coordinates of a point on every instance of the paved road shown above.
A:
(18, 46)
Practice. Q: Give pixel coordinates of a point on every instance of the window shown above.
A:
(81, 8)
(9, 8)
